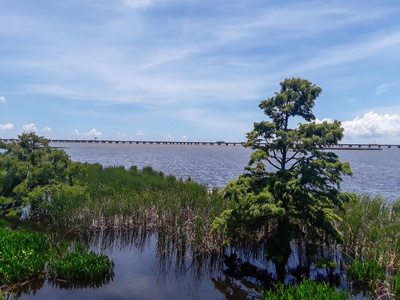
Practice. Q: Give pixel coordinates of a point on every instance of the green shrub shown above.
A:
(307, 290)
(366, 271)
(81, 265)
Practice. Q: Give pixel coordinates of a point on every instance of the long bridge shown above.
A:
(344, 146)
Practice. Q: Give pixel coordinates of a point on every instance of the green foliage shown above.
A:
(325, 263)
(31, 163)
(58, 202)
(367, 271)
(396, 285)
(371, 229)
(371, 239)
(81, 265)
(22, 255)
(291, 186)
(307, 290)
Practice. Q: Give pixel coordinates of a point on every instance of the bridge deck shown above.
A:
(343, 146)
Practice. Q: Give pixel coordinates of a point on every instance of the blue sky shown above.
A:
(194, 70)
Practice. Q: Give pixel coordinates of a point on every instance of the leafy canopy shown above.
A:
(291, 185)
(30, 163)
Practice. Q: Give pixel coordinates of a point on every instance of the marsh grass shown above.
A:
(116, 198)
(371, 234)
(307, 290)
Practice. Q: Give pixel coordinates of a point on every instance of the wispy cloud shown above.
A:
(384, 87)
(199, 63)
(372, 46)
(2, 99)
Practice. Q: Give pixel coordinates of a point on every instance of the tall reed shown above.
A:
(116, 198)
(371, 234)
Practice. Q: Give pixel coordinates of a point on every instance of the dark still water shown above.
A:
(375, 172)
(143, 271)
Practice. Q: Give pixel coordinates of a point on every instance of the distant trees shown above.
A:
(291, 185)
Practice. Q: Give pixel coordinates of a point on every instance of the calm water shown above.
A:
(375, 172)
(143, 272)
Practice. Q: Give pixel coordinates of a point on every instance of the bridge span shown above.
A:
(344, 146)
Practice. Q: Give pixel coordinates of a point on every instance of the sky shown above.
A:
(186, 70)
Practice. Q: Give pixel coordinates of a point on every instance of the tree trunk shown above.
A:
(278, 247)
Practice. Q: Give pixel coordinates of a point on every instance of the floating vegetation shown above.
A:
(22, 256)
(78, 265)
(23, 259)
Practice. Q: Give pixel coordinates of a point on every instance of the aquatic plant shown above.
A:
(371, 241)
(396, 285)
(366, 271)
(22, 255)
(307, 290)
(371, 229)
(80, 265)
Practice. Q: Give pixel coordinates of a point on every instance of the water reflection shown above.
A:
(148, 265)
(29, 287)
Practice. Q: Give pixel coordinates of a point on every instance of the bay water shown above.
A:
(143, 272)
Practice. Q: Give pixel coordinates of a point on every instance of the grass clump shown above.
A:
(22, 255)
(80, 265)
(307, 290)
(368, 271)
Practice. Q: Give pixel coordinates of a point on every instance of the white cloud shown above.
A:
(169, 136)
(33, 128)
(29, 128)
(373, 125)
(2, 99)
(138, 3)
(7, 126)
(184, 137)
(386, 87)
(140, 134)
(91, 133)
